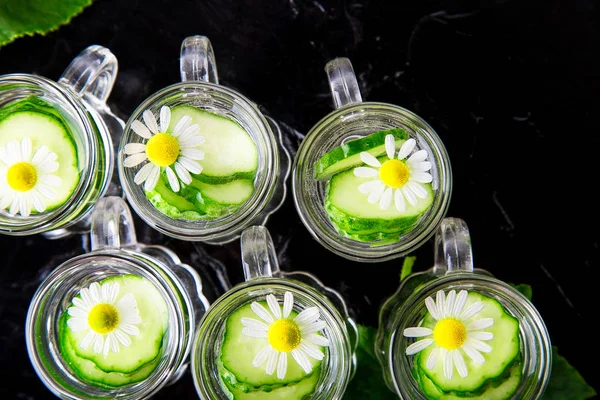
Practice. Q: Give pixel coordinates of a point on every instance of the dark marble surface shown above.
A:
(510, 86)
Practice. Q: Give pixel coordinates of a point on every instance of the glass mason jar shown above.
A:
(79, 100)
(354, 119)
(453, 271)
(115, 252)
(264, 278)
(200, 89)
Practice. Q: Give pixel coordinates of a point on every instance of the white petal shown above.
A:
(311, 350)
(459, 362)
(370, 186)
(134, 160)
(386, 199)
(274, 306)
(192, 141)
(253, 333)
(193, 153)
(25, 205)
(134, 148)
(152, 179)
(26, 148)
(302, 360)
(6, 200)
(432, 308)
(440, 299)
(449, 305)
(181, 125)
(183, 173)
(190, 132)
(317, 340)
(448, 365)
(46, 191)
(272, 362)
(94, 289)
(417, 189)
(262, 356)
(399, 201)
(472, 310)
(406, 148)
(105, 291)
(433, 358)
(114, 341)
(390, 146)
(143, 173)
(459, 305)
(473, 354)
(107, 344)
(82, 305)
(417, 332)
(254, 324)
(312, 327)
(421, 177)
(165, 118)
(282, 365)
(369, 159)
(417, 157)
(51, 180)
(418, 346)
(481, 335)
(141, 130)
(409, 195)
(173, 181)
(88, 339)
(129, 329)
(126, 303)
(375, 195)
(150, 121)
(420, 166)
(480, 324)
(122, 338)
(365, 172)
(15, 205)
(13, 151)
(190, 165)
(261, 312)
(37, 202)
(78, 324)
(288, 304)
(3, 155)
(48, 167)
(307, 316)
(86, 298)
(98, 344)
(478, 345)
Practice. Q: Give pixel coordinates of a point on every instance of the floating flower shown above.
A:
(452, 334)
(397, 178)
(25, 181)
(297, 336)
(108, 324)
(171, 151)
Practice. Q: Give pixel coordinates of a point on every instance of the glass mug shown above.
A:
(524, 378)
(348, 130)
(115, 254)
(165, 208)
(51, 178)
(264, 279)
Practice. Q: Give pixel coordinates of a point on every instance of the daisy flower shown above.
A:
(398, 179)
(108, 323)
(175, 152)
(452, 334)
(284, 335)
(25, 181)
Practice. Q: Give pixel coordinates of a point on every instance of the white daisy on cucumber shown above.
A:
(26, 181)
(176, 152)
(452, 335)
(297, 337)
(108, 323)
(399, 179)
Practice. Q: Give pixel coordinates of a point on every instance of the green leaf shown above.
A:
(524, 289)
(29, 17)
(407, 267)
(368, 383)
(565, 382)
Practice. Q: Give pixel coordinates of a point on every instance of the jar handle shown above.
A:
(342, 81)
(92, 74)
(453, 247)
(197, 61)
(258, 253)
(112, 225)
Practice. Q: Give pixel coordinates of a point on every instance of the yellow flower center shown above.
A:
(284, 335)
(394, 173)
(103, 318)
(450, 333)
(162, 149)
(22, 176)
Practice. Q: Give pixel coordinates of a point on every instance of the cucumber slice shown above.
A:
(234, 192)
(230, 152)
(35, 119)
(505, 348)
(88, 371)
(145, 346)
(350, 211)
(348, 155)
(238, 352)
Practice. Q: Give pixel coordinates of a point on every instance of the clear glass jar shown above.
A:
(79, 98)
(263, 278)
(200, 89)
(115, 252)
(355, 119)
(453, 270)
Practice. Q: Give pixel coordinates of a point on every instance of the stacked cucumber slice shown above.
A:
(132, 363)
(242, 381)
(496, 379)
(228, 170)
(349, 210)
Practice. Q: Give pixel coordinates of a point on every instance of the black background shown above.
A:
(511, 87)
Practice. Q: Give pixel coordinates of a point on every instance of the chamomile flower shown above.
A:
(457, 331)
(399, 178)
(285, 336)
(26, 182)
(175, 152)
(108, 323)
